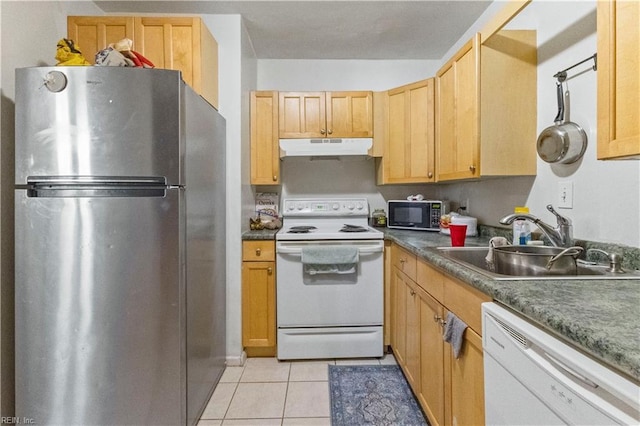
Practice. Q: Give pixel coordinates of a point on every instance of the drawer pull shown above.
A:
(258, 251)
(270, 270)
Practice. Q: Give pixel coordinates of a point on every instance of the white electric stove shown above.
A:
(326, 219)
(329, 314)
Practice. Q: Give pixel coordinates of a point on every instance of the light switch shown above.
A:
(565, 195)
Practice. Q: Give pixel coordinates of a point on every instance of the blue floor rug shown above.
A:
(372, 395)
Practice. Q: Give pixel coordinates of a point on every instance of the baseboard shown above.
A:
(237, 361)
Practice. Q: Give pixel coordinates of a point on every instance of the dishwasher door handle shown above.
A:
(568, 370)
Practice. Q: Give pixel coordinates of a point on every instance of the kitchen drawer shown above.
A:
(404, 260)
(258, 250)
(464, 301)
(431, 280)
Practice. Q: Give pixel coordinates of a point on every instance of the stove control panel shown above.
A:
(325, 207)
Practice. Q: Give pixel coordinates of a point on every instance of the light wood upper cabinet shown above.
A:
(94, 33)
(618, 79)
(265, 151)
(178, 43)
(325, 114)
(408, 154)
(457, 124)
(258, 298)
(183, 44)
(486, 108)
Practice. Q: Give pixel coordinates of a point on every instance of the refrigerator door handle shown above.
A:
(95, 186)
(96, 180)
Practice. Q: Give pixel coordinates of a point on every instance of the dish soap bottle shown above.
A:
(521, 228)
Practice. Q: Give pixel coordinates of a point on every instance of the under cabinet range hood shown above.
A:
(336, 147)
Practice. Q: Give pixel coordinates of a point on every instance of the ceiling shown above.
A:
(325, 29)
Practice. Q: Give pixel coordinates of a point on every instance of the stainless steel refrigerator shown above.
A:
(120, 247)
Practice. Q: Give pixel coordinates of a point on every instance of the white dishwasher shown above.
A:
(532, 378)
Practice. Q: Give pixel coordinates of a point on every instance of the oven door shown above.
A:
(329, 299)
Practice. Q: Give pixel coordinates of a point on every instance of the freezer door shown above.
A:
(98, 121)
(100, 310)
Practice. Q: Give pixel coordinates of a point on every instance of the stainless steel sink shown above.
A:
(474, 258)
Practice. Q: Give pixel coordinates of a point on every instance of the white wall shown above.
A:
(22, 46)
(237, 76)
(314, 75)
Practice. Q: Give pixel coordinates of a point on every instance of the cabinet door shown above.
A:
(94, 33)
(399, 337)
(431, 359)
(618, 79)
(182, 44)
(259, 307)
(302, 115)
(349, 114)
(265, 152)
(409, 152)
(412, 344)
(457, 128)
(464, 383)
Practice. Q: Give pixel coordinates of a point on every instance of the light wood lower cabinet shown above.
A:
(449, 389)
(259, 298)
(464, 382)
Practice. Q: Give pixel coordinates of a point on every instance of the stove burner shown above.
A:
(301, 229)
(353, 228)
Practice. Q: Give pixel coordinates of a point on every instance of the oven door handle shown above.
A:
(297, 251)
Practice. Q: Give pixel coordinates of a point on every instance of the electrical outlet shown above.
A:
(464, 206)
(565, 195)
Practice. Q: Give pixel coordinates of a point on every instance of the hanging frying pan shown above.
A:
(564, 142)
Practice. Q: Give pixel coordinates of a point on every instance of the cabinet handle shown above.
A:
(436, 318)
(430, 175)
(258, 251)
(442, 323)
(269, 270)
(403, 260)
(322, 131)
(275, 178)
(472, 169)
(330, 132)
(412, 292)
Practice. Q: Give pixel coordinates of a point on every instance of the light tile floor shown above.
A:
(267, 392)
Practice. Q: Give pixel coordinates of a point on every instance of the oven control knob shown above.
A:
(335, 206)
(300, 206)
(350, 206)
(359, 206)
(290, 206)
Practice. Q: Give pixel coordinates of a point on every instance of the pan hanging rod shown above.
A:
(562, 75)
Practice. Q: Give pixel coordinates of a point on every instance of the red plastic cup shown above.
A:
(458, 234)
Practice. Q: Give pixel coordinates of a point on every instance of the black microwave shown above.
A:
(421, 215)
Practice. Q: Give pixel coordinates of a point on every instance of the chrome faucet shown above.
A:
(560, 236)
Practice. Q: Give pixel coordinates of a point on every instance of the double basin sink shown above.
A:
(475, 258)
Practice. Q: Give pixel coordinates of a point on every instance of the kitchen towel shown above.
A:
(494, 242)
(330, 259)
(453, 332)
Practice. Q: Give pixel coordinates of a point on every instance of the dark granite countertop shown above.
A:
(600, 317)
(263, 234)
